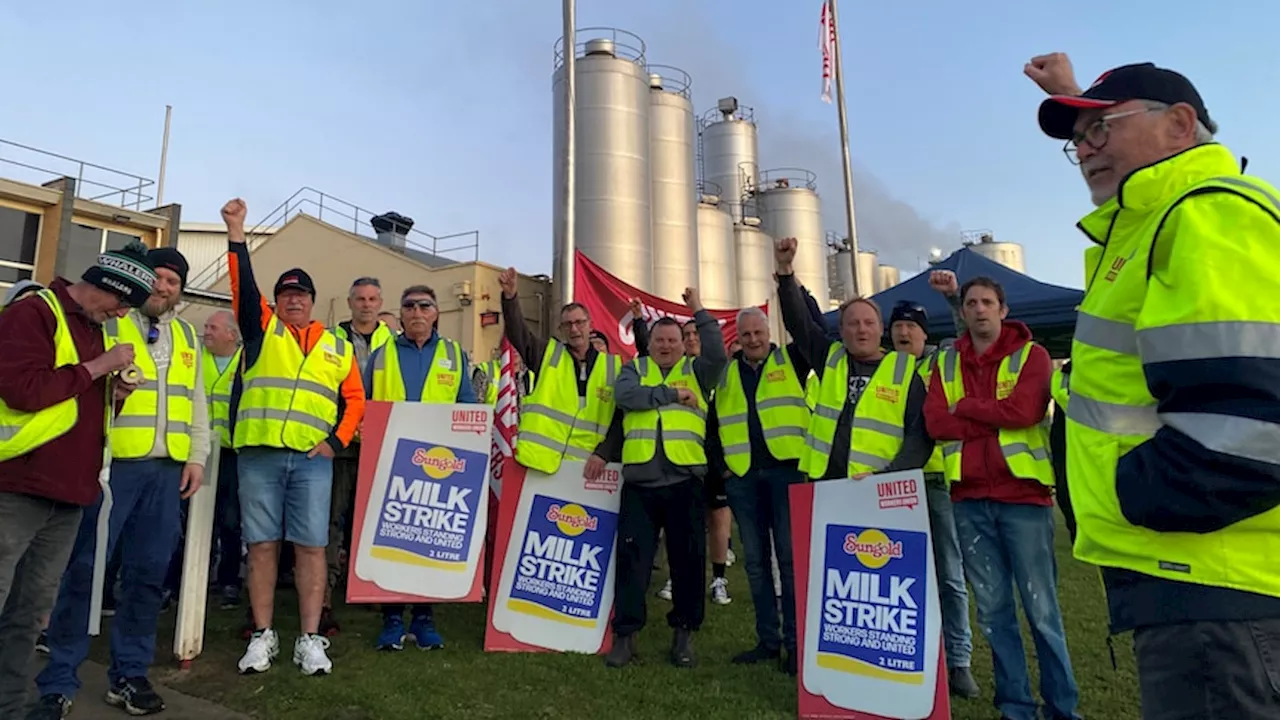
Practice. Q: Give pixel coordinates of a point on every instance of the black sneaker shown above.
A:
(50, 707)
(328, 623)
(135, 696)
(622, 652)
(962, 684)
(42, 643)
(682, 648)
(757, 654)
(230, 597)
(108, 605)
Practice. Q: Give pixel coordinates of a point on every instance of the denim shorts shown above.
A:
(284, 495)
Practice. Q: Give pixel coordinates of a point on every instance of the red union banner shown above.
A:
(608, 299)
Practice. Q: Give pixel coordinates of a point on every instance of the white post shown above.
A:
(188, 634)
(568, 245)
(838, 68)
(164, 155)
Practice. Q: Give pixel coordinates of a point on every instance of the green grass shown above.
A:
(464, 681)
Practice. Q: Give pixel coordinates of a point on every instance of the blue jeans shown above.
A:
(1007, 546)
(145, 524)
(953, 595)
(762, 508)
(284, 495)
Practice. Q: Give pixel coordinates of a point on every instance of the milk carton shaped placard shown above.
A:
(872, 625)
(556, 587)
(424, 521)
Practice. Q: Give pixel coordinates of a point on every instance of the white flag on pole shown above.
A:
(826, 43)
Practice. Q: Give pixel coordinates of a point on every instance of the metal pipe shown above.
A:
(568, 245)
(164, 159)
(838, 68)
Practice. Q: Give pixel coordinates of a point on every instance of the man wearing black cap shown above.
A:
(1173, 411)
(301, 403)
(53, 390)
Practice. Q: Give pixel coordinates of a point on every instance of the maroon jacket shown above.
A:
(65, 470)
(984, 474)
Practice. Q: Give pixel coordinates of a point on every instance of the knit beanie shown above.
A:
(170, 259)
(126, 273)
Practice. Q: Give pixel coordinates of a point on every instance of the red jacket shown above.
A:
(984, 474)
(65, 470)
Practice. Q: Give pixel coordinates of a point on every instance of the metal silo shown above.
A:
(843, 262)
(867, 274)
(886, 277)
(717, 258)
(671, 165)
(729, 152)
(789, 207)
(612, 161)
(1007, 254)
(754, 249)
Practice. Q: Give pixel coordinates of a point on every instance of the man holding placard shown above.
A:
(417, 366)
(664, 398)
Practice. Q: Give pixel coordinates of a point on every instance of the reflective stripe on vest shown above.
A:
(779, 403)
(133, 433)
(1059, 388)
(441, 385)
(291, 400)
(1025, 450)
(217, 389)
(878, 418)
(936, 465)
(492, 370)
(684, 429)
(21, 432)
(1121, 326)
(550, 429)
(812, 386)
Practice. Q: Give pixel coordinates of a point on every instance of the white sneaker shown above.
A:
(263, 648)
(309, 655)
(730, 558)
(665, 592)
(720, 591)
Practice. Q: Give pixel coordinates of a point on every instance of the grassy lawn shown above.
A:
(463, 681)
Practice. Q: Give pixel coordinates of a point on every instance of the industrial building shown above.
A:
(57, 226)
(984, 243)
(873, 277)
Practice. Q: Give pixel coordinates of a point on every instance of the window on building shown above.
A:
(19, 233)
(86, 243)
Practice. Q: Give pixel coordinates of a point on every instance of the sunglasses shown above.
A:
(153, 333)
(419, 304)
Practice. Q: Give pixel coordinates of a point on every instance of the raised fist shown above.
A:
(1053, 74)
(944, 281)
(637, 310)
(691, 299)
(784, 253)
(507, 281)
(233, 213)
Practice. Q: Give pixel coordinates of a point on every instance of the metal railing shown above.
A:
(783, 178)
(672, 79)
(626, 46)
(345, 216)
(93, 182)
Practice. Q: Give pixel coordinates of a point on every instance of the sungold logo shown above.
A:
(888, 394)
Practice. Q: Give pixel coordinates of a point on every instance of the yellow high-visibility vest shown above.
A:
(1026, 450)
(812, 387)
(217, 389)
(780, 405)
(1059, 388)
(290, 400)
(554, 422)
(684, 429)
(1170, 300)
(21, 432)
(441, 385)
(936, 465)
(879, 418)
(491, 370)
(381, 335)
(133, 433)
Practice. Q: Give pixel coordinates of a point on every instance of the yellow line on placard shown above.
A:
(858, 667)
(407, 558)
(531, 608)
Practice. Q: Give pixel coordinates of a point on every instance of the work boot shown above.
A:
(682, 648)
(757, 654)
(962, 684)
(622, 652)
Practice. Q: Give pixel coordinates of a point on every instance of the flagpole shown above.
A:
(838, 72)
(568, 245)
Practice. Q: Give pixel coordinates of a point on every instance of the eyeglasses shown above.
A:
(1097, 134)
(575, 323)
(423, 305)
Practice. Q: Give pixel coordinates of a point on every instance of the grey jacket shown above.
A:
(708, 368)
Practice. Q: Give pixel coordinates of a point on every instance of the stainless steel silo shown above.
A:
(729, 152)
(789, 207)
(717, 258)
(867, 274)
(671, 165)
(844, 272)
(612, 161)
(754, 250)
(886, 277)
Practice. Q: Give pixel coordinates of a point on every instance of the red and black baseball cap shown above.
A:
(1142, 81)
(295, 279)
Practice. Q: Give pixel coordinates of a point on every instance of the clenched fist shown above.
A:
(687, 398)
(784, 253)
(233, 214)
(1053, 74)
(507, 281)
(944, 281)
(692, 300)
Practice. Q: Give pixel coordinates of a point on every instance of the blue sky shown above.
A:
(442, 111)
